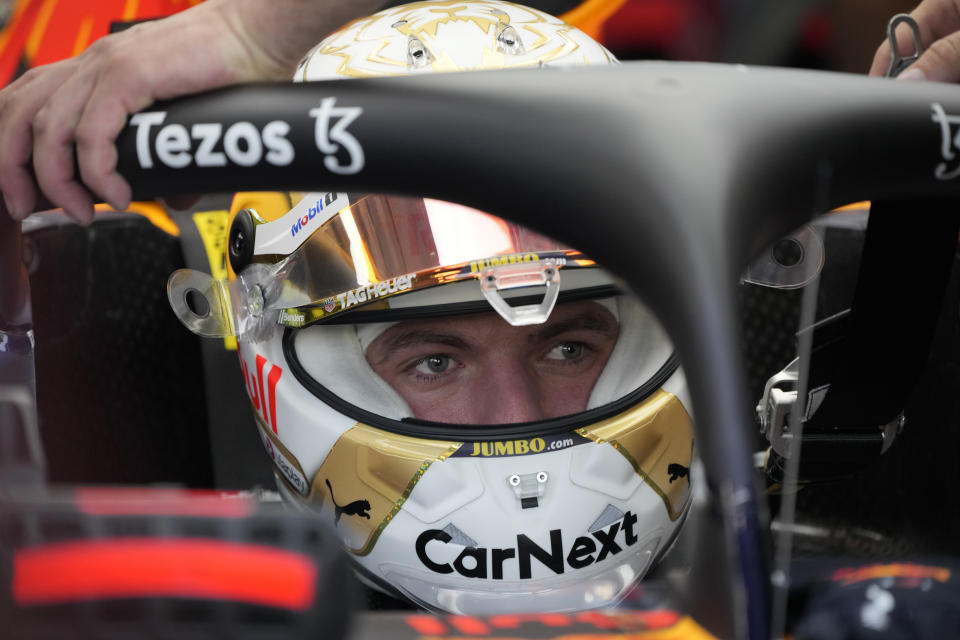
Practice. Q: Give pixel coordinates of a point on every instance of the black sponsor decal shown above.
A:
(677, 471)
(355, 508)
(483, 562)
(519, 446)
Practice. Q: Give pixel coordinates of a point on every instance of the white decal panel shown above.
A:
(286, 234)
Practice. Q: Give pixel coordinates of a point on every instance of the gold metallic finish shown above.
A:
(451, 15)
(493, 58)
(378, 468)
(422, 280)
(346, 70)
(651, 437)
(368, 547)
(347, 254)
(378, 57)
(541, 36)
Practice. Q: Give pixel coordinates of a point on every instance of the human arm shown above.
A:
(68, 114)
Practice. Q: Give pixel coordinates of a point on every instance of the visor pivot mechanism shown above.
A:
(529, 488)
(255, 302)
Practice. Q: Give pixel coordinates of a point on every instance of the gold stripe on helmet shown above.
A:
(652, 437)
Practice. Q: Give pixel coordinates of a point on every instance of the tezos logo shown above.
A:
(242, 143)
(481, 562)
(949, 168)
(330, 134)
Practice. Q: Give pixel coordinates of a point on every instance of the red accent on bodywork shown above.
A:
(469, 624)
(514, 621)
(261, 361)
(272, 381)
(45, 31)
(134, 501)
(426, 625)
(169, 567)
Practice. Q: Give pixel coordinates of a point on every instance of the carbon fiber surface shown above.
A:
(119, 382)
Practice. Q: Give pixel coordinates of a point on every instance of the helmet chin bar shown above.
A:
(439, 593)
(499, 278)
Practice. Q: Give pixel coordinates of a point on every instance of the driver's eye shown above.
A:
(434, 364)
(566, 351)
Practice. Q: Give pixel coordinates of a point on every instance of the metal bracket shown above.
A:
(779, 402)
(779, 398)
(899, 62)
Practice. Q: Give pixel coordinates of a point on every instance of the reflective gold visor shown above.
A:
(329, 255)
(380, 246)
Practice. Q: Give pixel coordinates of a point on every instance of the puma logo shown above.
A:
(677, 471)
(355, 508)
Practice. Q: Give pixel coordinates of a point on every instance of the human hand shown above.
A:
(58, 123)
(939, 24)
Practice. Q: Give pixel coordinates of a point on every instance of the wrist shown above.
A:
(276, 35)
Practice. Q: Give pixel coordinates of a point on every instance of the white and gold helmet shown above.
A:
(450, 35)
(489, 420)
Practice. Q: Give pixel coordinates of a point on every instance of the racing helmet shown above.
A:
(377, 336)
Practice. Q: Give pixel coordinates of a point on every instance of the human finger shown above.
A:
(102, 120)
(935, 19)
(53, 147)
(939, 63)
(19, 104)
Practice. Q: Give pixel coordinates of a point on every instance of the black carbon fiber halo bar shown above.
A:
(670, 174)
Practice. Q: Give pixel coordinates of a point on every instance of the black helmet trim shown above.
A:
(426, 429)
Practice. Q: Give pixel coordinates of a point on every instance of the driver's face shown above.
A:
(477, 369)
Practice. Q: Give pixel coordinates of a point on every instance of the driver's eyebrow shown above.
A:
(587, 320)
(415, 337)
